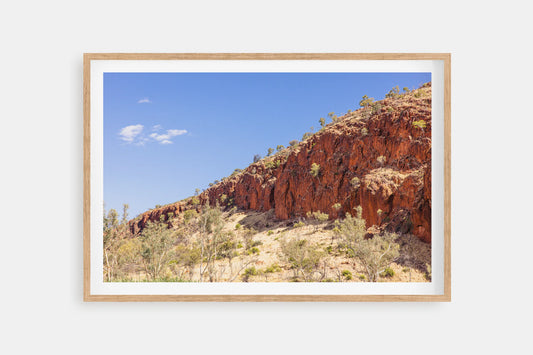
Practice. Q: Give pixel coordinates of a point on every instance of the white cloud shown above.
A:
(144, 100)
(133, 134)
(129, 133)
(165, 138)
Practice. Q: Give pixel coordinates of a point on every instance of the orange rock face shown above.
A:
(380, 161)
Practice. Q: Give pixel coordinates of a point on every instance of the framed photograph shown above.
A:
(267, 177)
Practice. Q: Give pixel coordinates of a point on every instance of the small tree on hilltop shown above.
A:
(307, 135)
(322, 122)
(270, 151)
(293, 143)
(333, 117)
(393, 93)
(280, 147)
(366, 101)
(257, 157)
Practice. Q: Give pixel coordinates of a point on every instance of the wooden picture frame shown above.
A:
(91, 71)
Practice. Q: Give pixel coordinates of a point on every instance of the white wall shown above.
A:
(41, 308)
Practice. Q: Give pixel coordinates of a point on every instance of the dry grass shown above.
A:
(271, 233)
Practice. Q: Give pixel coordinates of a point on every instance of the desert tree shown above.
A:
(157, 241)
(304, 259)
(210, 225)
(270, 151)
(293, 143)
(257, 157)
(279, 148)
(322, 122)
(374, 254)
(411, 251)
(115, 231)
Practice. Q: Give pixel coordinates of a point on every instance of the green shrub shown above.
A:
(270, 165)
(337, 206)
(249, 272)
(235, 172)
(270, 232)
(253, 250)
(361, 277)
(315, 169)
(388, 272)
(298, 224)
(347, 274)
(272, 269)
(420, 124)
(238, 226)
(364, 131)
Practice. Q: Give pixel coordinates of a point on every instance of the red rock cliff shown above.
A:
(373, 157)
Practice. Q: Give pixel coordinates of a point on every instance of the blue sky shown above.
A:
(166, 134)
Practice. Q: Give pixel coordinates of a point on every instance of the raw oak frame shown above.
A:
(88, 57)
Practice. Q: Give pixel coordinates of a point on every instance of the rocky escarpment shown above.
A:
(377, 157)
